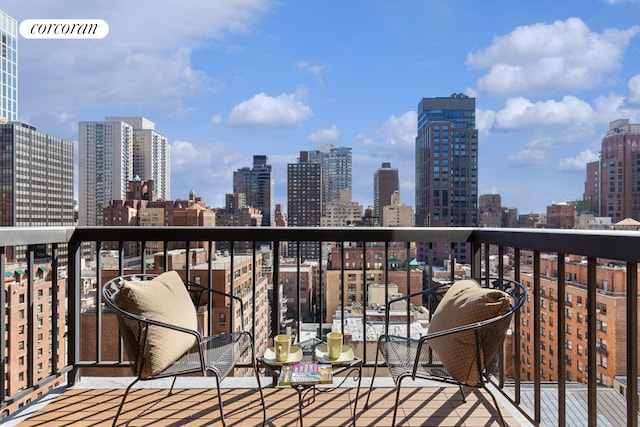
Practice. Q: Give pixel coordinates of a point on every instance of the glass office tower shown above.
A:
(8, 68)
(446, 169)
(37, 180)
(336, 171)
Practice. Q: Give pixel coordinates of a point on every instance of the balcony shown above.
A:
(80, 367)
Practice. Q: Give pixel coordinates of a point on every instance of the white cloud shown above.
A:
(314, 69)
(147, 65)
(216, 119)
(634, 89)
(206, 168)
(579, 162)
(401, 130)
(545, 58)
(613, 106)
(485, 120)
(521, 113)
(364, 139)
(62, 125)
(328, 134)
(263, 111)
(529, 156)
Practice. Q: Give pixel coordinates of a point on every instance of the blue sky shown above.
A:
(227, 79)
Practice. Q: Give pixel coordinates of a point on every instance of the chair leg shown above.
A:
(464, 398)
(495, 403)
(264, 407)
(395, 408)
(220, 398)
(126, 392)
(173, 383)
(375, 368)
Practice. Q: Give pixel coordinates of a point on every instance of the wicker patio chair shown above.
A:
(465, 334)
(157, 317)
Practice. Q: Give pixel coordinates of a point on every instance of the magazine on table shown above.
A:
(305, 374)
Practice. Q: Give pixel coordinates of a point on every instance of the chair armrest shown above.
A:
(196, 290)
(430, 291)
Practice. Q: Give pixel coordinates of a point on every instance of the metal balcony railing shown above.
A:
(73, 260)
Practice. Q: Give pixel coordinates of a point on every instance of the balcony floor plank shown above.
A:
(419, 406)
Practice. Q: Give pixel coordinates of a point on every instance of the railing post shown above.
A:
(275, 309)
(592, 392)
(476, 260)
(561, 361)
(30, 314)
(3, 325)
(517, 364)
(74, 279)
(632, 344)
(536, 337)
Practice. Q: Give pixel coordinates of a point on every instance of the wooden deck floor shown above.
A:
(419, 406)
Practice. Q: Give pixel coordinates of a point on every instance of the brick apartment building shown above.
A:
(355, 279)
(561, 215)
(610, 322)
(32, 327)
(141, 208)
(289, 272)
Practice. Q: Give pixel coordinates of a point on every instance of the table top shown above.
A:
(314, 351)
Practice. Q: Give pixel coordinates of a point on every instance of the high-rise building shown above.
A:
(342, 212)
(257, 184)
(304, 199)
(613, 183)
(396, 214)
(112, 153)
(151, 154)
(385, 182)
(490, 211)
(37, 184)
(9, 69)
(336, 171)
(446, 169)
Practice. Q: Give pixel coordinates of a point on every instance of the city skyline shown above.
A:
(229, 80)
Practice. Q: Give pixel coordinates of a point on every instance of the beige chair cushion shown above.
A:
(164, 299)
(464, 303)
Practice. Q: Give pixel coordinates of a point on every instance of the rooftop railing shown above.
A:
(67, 249)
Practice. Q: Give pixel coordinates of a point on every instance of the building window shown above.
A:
(601, 308)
